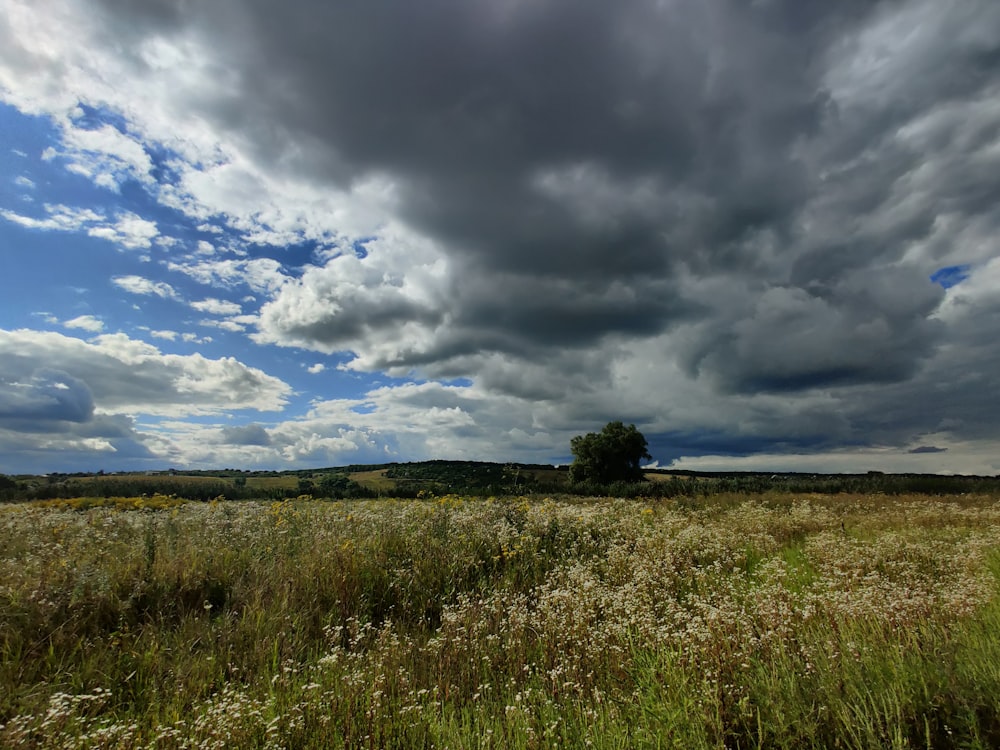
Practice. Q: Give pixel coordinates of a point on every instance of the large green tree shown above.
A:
(611, 455)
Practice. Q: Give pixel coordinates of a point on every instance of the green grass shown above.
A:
(152, 480)
(373, 480)
(772, 622)
(281, 482)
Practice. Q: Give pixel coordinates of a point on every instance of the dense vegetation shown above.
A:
(410, 480)
(612, 455)
(770, 620)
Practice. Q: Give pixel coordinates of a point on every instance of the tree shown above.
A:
(610, 455)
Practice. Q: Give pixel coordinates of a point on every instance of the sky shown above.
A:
(259, 235)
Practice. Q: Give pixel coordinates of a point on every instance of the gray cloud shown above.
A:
(628, 207)
(251, 434)
(576, 161)
(561, 153)
(78, 411)
(46, 395)
(874, 327)
(100, 441)
(117, 373)
(470, 107)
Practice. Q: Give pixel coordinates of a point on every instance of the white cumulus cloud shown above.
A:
(130, 376)
(217, 306)
(86, 323)
(144, 286)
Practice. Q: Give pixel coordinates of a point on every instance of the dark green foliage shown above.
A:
(611, 455)
(472, 478)
(340, 486)
(334, 485)
(467, 477)
(128, 486)
(8, 487)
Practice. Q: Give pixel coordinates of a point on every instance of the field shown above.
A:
(150, 482)
(774, 620)
(375, 480)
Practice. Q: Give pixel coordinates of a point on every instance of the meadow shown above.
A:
(777, 620)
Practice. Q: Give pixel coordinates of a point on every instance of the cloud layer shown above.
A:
(718, 219)
(58, 393)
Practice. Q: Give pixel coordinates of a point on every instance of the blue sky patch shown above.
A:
(949, 276)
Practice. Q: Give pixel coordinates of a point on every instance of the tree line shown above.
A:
(605, 463)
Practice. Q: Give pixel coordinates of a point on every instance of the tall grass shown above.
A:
(777, 621)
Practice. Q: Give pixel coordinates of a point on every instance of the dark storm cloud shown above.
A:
(251, 434)
(672, 445)
(46, 396)
(873, 327)
(927, 449)
(953, 393)
(468, 103)
(335, 326)
(570, 313)
(771, 183)
(162, 13)
(509, 126)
